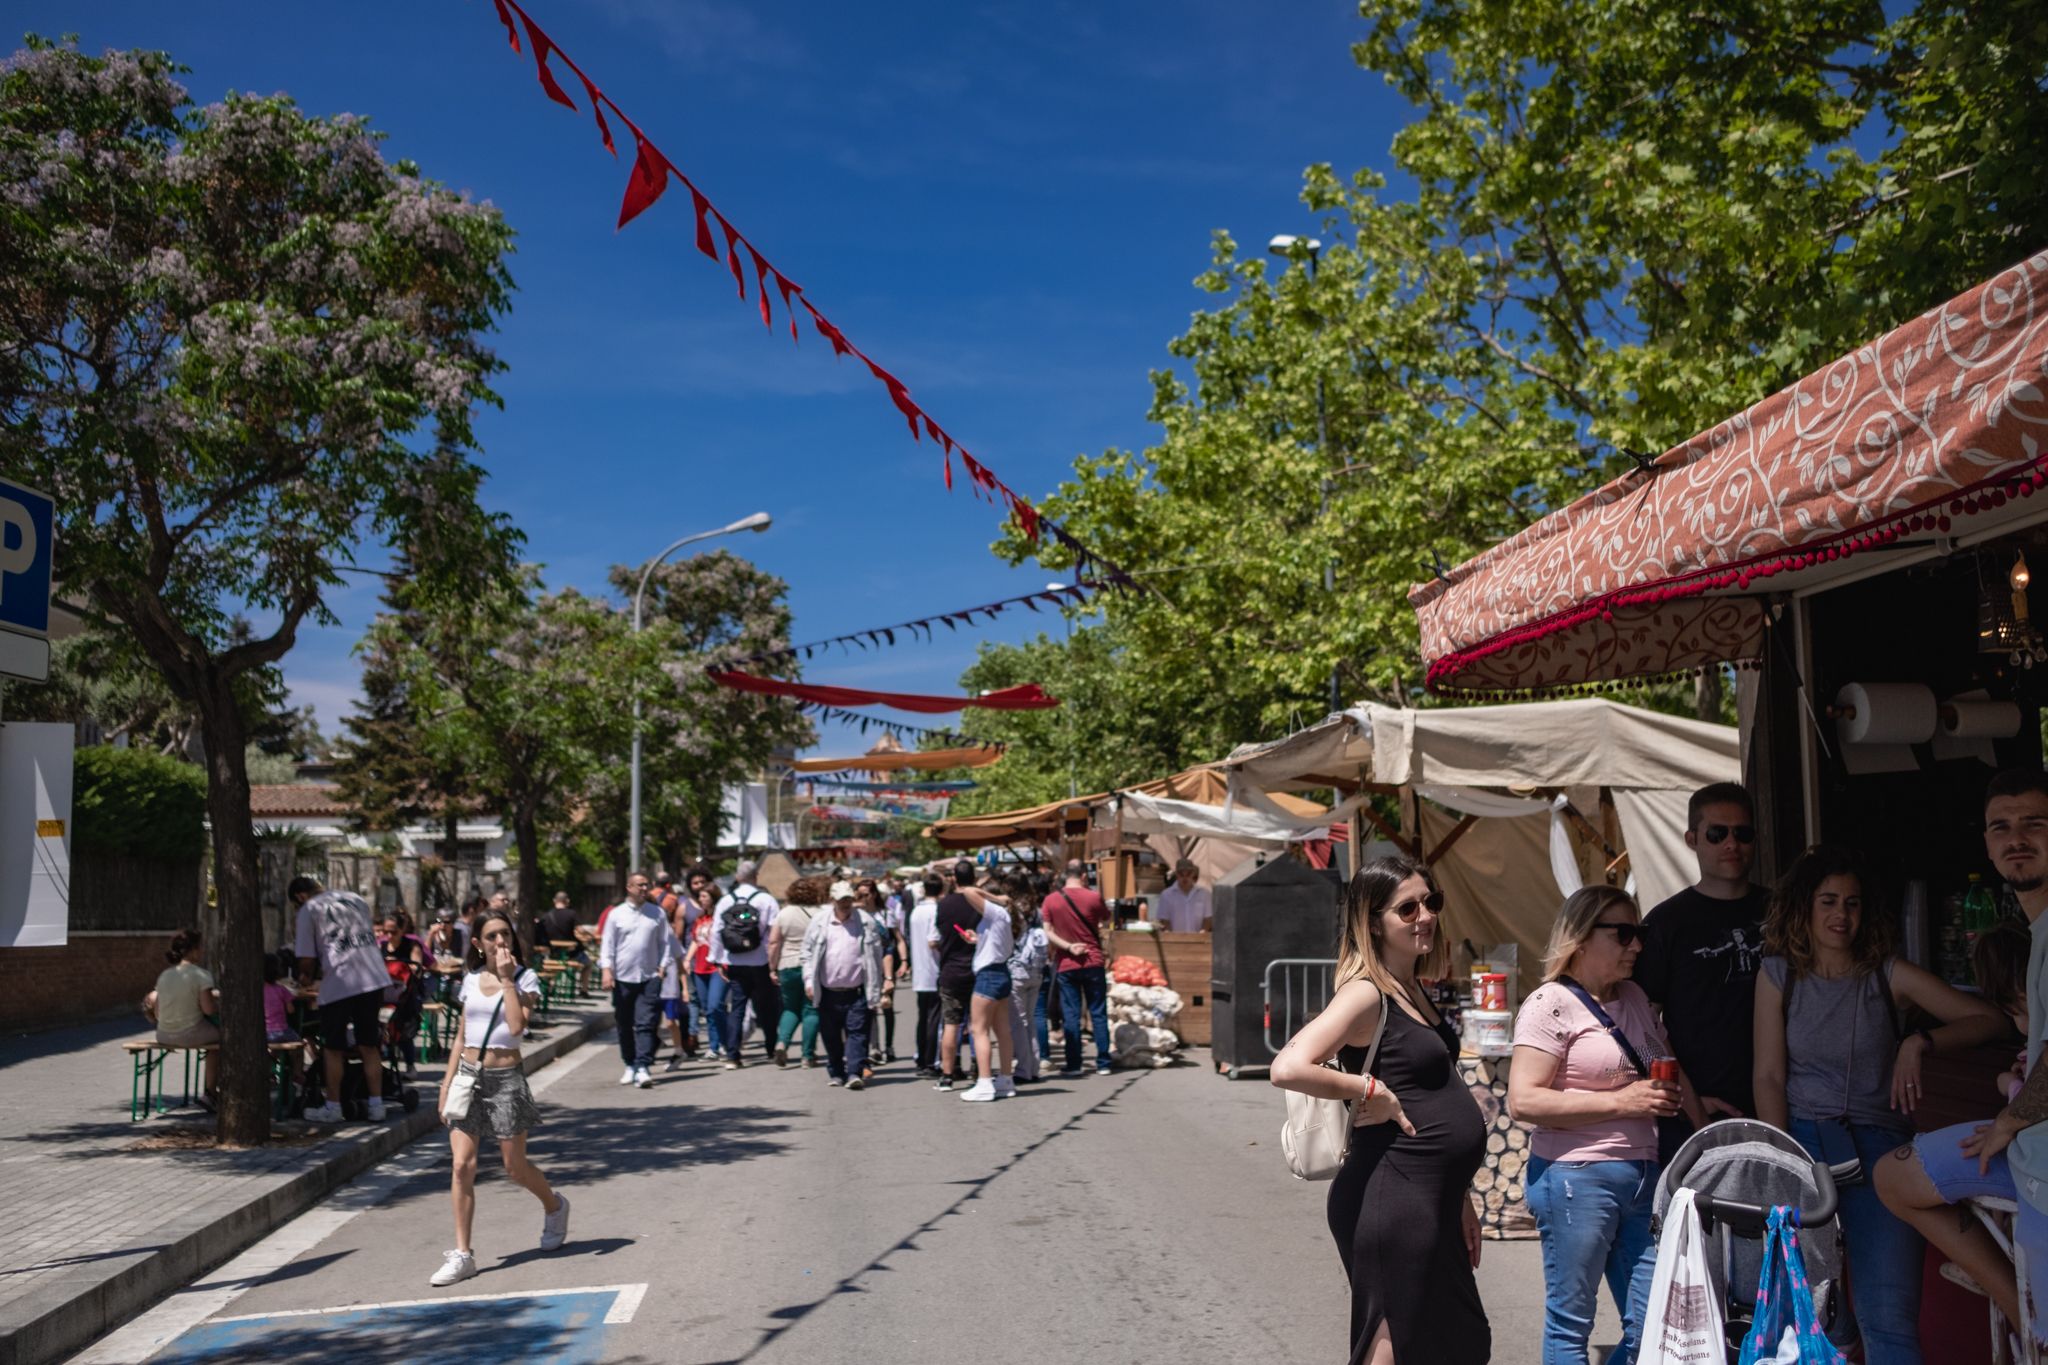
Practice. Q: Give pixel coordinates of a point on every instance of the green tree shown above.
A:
(219, 328)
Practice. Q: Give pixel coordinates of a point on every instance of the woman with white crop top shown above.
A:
(497, 993)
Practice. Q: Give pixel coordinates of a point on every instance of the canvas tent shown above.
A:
(1512, 805)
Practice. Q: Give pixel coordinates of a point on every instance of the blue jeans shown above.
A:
(1092, 985)
(843, 1024)
(1882, 1256)
(636, 1005)
(756, 986)
(1594, 1217)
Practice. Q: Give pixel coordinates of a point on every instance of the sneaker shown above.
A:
(857, 1083)
(810, 1062)
(642, 1079)
(1006, 1088)
(1102, 1068)
(628, 1076)
(782, 1056)
(674, 1064)
(375, 1108)
(943, 1083)
(981, 1092)
(731, 1064)
(554, 1227)
(835, 1080)
(456, 1267)
(329, 1112)
(1068, 1073)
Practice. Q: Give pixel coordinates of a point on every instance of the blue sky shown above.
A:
(1003, 204)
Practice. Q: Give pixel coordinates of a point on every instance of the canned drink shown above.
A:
(1664, 1069)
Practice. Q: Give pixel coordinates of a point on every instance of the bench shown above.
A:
(149, 1086)
(436, 1030)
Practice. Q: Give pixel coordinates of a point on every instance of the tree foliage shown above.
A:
(139, 804)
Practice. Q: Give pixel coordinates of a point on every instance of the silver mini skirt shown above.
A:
(502, 1105)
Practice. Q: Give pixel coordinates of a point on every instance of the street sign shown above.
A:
(27, 538)
(24, 656)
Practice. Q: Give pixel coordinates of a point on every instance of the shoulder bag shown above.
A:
(462, 1086)
(1673, 1130)
(1317, 1135)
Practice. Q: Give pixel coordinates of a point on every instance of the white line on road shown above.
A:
(626, 1302)
(157, 1328)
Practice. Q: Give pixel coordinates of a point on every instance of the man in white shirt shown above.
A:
(636, 945)
(336, 941)
(924, 972)
(1184, 906)
(739, 950)
(843, 973)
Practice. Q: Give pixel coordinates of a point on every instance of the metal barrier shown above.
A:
(1297, 989)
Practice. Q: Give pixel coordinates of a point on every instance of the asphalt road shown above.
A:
(762, 1215)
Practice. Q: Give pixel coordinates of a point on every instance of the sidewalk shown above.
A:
(99, 1225)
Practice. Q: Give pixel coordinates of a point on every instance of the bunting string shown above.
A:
(922, 627)
(948, 739)
(649, 180)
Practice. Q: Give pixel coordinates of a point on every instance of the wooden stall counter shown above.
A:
(1185, 961)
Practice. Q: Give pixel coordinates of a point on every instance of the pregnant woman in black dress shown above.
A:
(1399, 1209)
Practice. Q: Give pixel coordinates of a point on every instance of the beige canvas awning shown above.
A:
(1205, 786)
(930, 760)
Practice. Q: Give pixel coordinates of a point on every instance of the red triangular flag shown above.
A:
(505, 18)
(604, 130)
(788, 287)
(761, 283)
(645, 185)
(541, 48)
(840, 345)
(703, 207)
(900, 396)
(1027, 516)
(732, 254)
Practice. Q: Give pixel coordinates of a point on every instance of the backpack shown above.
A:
(740, 929)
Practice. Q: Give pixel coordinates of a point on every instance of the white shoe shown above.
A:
(456, 1267)
(375, 1109)
(1006, 1088)
(643, 1080)
(329, 1112)
(629, 1077)
(554, 1228)
(980, 1092)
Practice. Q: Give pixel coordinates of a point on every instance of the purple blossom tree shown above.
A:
(238, 346)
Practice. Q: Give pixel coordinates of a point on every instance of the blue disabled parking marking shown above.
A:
(567, 1325)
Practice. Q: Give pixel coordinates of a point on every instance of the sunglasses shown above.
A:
(1624, 934)
(1716, 834)
(1408, 910)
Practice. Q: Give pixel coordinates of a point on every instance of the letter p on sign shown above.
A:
(26, 541)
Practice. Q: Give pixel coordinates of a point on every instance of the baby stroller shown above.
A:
(1738, 1169)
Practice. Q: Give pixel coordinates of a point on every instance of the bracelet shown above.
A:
(1371, 1084)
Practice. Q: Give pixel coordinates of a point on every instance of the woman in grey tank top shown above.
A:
(1835, 1068)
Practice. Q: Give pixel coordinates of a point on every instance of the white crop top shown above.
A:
(478, 1007)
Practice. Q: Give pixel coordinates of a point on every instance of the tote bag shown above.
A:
(1317, 1134)
(1687, 1321)
(1787, 1329)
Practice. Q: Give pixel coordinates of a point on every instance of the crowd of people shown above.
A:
(1726, 1001)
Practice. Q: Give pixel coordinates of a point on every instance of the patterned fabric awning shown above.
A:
(1926, 433)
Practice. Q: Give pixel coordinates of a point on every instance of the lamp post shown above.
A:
(757, 522)
(1284, 245)
(1066, 719)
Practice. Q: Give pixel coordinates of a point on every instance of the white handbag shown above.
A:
(1317, 1135)
(1687, 1318)
(462, 1085)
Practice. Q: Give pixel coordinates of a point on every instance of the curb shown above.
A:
(88, 1306)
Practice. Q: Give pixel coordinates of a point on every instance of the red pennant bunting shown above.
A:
(604, 130)
(732, 253)
(649, 179)
(511, 29)
(788, 287)
(761, 283)
(900, 396)
(840, 345)
(541, 48)
(1027, 516)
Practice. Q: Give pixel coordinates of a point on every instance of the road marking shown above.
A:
(184, 1310)
(624, 1305)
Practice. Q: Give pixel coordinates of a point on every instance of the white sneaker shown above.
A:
(554, 1227)
(375, 1109)
(329, 1112)
(1006, 1088)
(629, 1077)
(980, 1092)
(643, 1080)
(456, 1266)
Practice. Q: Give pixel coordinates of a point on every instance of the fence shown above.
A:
(1297, 989)
(121, 893)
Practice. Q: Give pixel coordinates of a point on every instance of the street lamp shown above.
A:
(1285, 245)
(757, 522)
(1066, 718)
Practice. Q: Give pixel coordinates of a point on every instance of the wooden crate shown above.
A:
(1185, 960)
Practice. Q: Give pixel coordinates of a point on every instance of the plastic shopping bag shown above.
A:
(1786, 1330)
(1687, 1320)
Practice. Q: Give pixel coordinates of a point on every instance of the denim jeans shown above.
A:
(756, 986)
(700, 1005)
(1594, 1217)
(1089, 984)
(797, 1012)
(636, 1005)
(1881, 1255)
(843, 1022)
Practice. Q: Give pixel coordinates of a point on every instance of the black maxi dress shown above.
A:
(1396, 1207)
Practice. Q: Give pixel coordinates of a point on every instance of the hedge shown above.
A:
(126, 801)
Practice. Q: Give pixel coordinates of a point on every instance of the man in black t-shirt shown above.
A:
(1702, 948)
(956, 967)
(559, 924)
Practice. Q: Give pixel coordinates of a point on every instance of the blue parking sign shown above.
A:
(27, 538)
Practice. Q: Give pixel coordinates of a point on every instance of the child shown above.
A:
(1999, 962)
(278, 999)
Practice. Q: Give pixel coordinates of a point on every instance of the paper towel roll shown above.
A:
(1887, 713)
(1980, 719)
